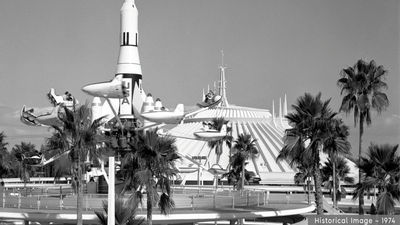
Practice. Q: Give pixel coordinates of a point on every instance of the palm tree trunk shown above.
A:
(24, 179)
(149, 209)
(318, 189)
(79, 190)
(230, 159)
(361, 198)
(334, 180)
(243, 177)
(308, 191)
(218, 149)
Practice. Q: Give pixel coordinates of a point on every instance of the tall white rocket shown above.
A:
(128, 66)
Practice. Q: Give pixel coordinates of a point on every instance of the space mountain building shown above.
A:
(266, 127)
(262, 124)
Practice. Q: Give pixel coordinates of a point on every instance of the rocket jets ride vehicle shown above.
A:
(156, 113)
(113, 89)
(48, 116)
(41, 117)
(67, 99)
(210, 100)
(163, 116)
(211, 134)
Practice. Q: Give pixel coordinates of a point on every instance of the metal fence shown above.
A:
(184, 198)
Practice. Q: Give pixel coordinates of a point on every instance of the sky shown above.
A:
(271, 48)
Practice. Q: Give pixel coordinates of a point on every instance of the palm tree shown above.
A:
(150, 166)
(310, 123)
(20, 151)
(78, 134)
(56, 145)
(336, 145)
(6, 164)
(362, 86)
(304, 175)
(125, 212)
(3, 144)
(217, 124)
(380, 170)
(244, 148)
(235, 173)
(338, 166)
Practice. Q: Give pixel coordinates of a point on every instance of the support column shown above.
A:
(111, 191)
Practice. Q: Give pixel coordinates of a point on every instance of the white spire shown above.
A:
(273, 109)
(280, 107)
(222, 82)
(285, 106)
(203, 97)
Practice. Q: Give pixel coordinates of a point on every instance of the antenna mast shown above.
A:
(222, 82)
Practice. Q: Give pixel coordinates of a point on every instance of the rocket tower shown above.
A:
(128, 66)
(125, 91)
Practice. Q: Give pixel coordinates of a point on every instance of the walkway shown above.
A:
(207, 205)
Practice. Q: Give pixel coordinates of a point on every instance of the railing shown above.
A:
(184, 198)
(36, 182)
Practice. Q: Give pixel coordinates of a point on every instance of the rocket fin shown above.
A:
(137, 98)
(179, 109)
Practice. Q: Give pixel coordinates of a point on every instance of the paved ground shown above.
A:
(178, 215)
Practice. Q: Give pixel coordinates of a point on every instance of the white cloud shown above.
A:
(4, 106)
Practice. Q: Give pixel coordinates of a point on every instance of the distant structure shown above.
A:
(266, 127)
(260, 123)
(222, 82)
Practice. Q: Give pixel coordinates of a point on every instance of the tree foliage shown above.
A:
(149, 167)
(244, 147)
(311, 126)
(380, 171)
(217, 124)
(6, 159)
(20, 151)
(362, 87)
(78, 135)
(125, 212)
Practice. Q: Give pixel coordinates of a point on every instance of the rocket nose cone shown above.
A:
(88, 89)
(85, 89)
(128, 5)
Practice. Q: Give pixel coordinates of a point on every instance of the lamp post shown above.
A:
(199, 158)
(216, 169)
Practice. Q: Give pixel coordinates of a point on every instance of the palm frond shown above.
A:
(385, 203)
(166, 204)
